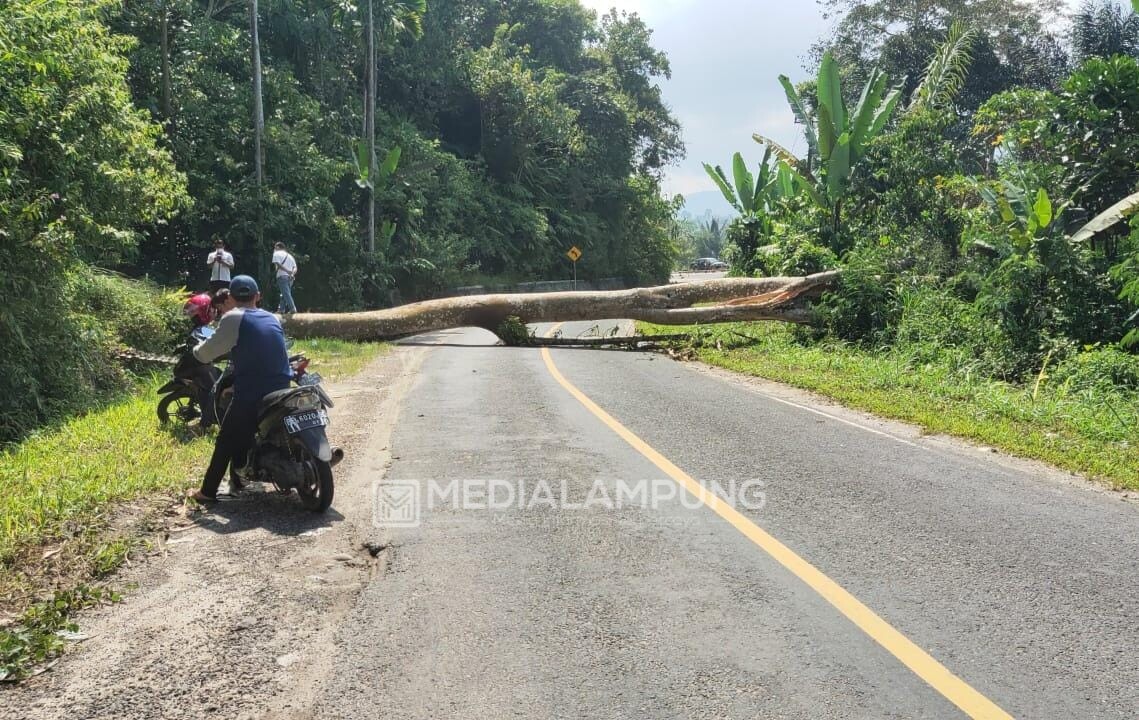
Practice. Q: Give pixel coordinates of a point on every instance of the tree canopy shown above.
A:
(136, 133)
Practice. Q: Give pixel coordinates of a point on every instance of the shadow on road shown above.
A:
(279, 513)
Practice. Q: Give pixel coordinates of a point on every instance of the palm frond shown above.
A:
(945, 75)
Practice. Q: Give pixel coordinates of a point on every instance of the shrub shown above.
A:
(936, 325)
(865, 307)
(59, 335)
(1099, 368)
(134, 313)
(794, 255)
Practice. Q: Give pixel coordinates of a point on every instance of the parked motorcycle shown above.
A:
(188, 396)
(291, 448)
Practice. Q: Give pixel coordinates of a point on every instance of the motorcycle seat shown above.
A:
(278, 396)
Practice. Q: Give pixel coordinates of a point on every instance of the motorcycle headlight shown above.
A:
(303, 401)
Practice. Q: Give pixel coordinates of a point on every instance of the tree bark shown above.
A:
(370, 128)
(741, 299)
(167, 105)
(258, 128)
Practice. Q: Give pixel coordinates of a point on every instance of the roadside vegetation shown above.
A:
(1072, 416)
(60, 487)
(973, 175)
(77, 498)
(404, 149)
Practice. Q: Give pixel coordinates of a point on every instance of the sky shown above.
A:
(726, 58)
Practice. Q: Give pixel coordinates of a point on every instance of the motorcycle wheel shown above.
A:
(316, 490)
(179, 406)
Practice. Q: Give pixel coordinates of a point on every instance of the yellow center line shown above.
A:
(953, 688)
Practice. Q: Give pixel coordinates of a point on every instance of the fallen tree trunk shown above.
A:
(741, 299)
(614, 341)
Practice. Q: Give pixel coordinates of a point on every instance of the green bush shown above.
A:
(1100, 368)
(60, 334)
(937, 326)
(864, 309)
(133, 313)
(792, 256)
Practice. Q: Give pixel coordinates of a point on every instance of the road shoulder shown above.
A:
(232, 614)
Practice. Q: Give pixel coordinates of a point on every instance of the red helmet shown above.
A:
(199, 309)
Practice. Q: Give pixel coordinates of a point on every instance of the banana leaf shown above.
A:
(1108, 218)
(832, 113)
(864, 112)
(363, 165)
(745, 184)
(786, 156)
(838, 166)
(721, 179)
(1042, 208)
(802, 115)
(391, 162)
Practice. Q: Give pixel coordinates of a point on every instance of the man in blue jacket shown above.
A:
(255, 342)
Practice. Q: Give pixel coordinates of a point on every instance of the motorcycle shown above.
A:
(291, 449)
(188, 396)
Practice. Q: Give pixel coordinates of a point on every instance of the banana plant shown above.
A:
(387, 168)
(1026, 216)
(836, 137)
(753, 195)
(364, 180)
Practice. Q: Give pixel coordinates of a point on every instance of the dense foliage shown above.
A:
(519, 126)
(505, 133)
(81, 172)
(957, 233)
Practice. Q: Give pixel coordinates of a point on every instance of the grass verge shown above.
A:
(1091, 432)
(60, 492)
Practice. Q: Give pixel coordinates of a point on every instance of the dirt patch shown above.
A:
(235, 607)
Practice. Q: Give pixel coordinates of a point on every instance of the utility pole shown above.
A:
(370, 129)
(258, 128)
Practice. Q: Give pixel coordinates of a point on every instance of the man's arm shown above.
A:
(223, 340)
(211, 259)
(227, 259)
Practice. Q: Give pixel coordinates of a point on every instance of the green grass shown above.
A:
(59, 489)
(69, 474)
(1085, 431)
(337, 359)
(62, 483)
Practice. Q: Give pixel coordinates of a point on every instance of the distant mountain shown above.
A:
(710, 202)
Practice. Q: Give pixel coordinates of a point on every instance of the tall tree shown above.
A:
(1014, 47)
(1103, 29)
(258, 124)
(396, 17)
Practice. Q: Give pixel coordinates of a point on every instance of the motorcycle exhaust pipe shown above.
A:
(337, 456)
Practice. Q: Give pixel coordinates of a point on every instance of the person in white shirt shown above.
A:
(286, 266)
(220, 262)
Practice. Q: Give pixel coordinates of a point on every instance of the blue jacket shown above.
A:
(255, 342)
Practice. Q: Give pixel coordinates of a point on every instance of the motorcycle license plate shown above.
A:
(303, 421)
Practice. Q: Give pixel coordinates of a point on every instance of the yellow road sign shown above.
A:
(574, 253)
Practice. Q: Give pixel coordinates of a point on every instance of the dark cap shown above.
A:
(243, 288)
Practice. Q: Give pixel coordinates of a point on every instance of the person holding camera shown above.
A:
(220, 262)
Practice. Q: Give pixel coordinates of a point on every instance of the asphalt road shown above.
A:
(876, 573)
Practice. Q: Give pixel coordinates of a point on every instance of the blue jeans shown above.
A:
(286, 305)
